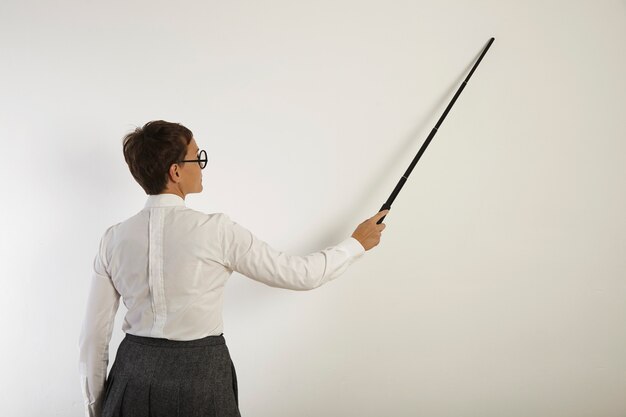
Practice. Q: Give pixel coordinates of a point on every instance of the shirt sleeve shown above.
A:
(95, 335)
(256, 259)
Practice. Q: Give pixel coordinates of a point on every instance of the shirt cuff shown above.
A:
(353, 247)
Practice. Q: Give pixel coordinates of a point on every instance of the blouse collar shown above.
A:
(164, 200)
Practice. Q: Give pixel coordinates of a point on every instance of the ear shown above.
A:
(174, 171)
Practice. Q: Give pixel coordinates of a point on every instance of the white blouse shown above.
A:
(169, 264)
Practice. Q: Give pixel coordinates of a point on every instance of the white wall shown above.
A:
(498, 288)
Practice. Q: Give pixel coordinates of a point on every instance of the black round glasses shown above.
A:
(202, 159)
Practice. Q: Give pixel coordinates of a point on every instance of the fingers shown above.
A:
(380, 214)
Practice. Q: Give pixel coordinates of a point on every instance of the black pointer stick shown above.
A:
(396, 190)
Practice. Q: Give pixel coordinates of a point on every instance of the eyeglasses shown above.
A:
(202, 159)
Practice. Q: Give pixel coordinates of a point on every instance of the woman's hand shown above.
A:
(368, 233)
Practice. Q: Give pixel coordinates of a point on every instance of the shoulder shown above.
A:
(197, 218)
(110, 231)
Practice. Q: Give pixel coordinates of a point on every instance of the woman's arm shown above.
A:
(95, 335)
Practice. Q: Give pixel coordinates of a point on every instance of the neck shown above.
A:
(174, 190)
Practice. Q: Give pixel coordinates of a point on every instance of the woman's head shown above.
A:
(153, 154)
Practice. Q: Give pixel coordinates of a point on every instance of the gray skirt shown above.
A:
(154, 377)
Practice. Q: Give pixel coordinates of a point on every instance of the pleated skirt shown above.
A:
(154, 377)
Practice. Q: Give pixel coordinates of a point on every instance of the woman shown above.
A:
(170, 263)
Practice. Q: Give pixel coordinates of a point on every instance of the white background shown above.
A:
(498, 288)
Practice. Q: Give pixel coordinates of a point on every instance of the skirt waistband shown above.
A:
(160, 342)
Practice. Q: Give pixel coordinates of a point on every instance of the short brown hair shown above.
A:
(150, 150)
